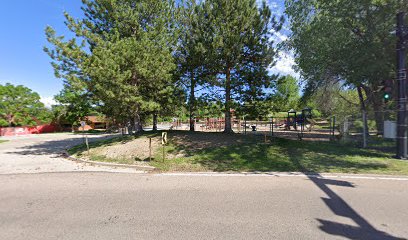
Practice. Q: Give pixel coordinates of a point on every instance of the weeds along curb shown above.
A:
(114, 165)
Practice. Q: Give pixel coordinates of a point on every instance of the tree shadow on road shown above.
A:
(51, 147)
(340, 207)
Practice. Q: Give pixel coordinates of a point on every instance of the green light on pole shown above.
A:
(387, 96)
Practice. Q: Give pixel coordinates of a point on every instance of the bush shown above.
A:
(316, 113)
(358, 125)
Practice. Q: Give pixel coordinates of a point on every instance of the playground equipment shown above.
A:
(303, 120)
(291, 120)
(306, 120)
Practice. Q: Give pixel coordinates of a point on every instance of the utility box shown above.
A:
(390, 129)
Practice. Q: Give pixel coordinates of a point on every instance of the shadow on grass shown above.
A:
(287, 155)
(112, 141)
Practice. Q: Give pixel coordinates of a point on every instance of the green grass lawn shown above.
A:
(251, 154)
(3, 141)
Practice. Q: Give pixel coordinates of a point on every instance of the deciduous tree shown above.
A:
(20, 106)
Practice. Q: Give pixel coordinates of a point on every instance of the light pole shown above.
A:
(402, 122)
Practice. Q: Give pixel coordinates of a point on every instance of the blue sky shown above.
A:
(22, 60)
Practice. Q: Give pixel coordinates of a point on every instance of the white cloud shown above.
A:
(284, 65)
(278, 37)
(48, 101)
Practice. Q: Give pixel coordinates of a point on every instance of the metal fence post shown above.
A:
(402, 121)
(345, 128)
(245, 126)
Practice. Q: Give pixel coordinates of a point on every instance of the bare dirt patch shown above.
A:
(136, 149)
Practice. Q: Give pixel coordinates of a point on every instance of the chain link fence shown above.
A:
(371, 129)
(291, 127)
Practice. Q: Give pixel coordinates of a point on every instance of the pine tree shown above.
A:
(241, 47)
(125, 56)
(191, 55)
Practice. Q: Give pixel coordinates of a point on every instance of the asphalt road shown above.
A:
(141, 206)
(44, 196)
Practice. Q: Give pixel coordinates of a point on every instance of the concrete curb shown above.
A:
(288, 174)
(104, 164)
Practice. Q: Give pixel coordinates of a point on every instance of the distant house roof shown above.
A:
(96, 119)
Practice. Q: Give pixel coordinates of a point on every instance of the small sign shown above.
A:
(164, 138)
(83, 123)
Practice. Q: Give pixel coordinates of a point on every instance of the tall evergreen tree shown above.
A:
(241, 47)
(191, 55)
(125, 56)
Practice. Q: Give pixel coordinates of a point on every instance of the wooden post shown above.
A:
(150, 149)
(164, 141)
(163, 154)
(239, 125)
(271, 126)
(87, 144)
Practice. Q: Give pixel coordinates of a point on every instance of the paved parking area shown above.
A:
(42, 153)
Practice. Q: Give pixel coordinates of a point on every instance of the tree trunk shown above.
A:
(228, 128)
(376, 101)
(155, 121)
(192, 103)
(364, 112)
(138, 124)
(378, 107)
(129, 127)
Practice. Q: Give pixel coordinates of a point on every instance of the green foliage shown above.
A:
(335, 100)
(212, 109)
(244, 153)
(240, 49)
(344, 39)
(136, 59)
(20, 106)
(316, 113)
(287, 94)
(191, 55)
(74, 105)
(348, 42)
(358, 125)
(125, 57)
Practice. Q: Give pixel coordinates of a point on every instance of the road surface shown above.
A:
(75, 201)
(141, 206)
